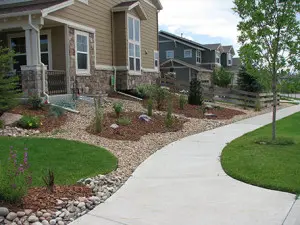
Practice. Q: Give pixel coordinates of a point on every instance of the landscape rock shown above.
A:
(45, 222)
(114, 126)
(3, 211)
(21, 214)
(10, 118)
(145, 118)
(11, 216)
(32, 219)
(52, 222)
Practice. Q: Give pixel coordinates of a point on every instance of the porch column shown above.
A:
(33, 51)
(28, 46)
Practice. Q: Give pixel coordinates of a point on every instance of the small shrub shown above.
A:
(124, 121)
(182, 101)
(169, 118)
(49, 181)
(56, 111)
(146, 90)
(1, 124)
(15, 177)
(279, 141)
(257, 106)
(98, 116)
(195, 93)
(150, 107)
(118, 107)
(29, 122)
(160, 96)
(35, 102)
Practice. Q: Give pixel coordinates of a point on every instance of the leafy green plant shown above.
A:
(169, 118)
(29, 122)
(195, 93)
(118, 107)
(1, 124)
(222, 78)
(150, 107)
(99, 116)
(123, 121)
(146, 90)
(15, 177)
(9, 92)
(160, 96)
(49, 181)
(182, 101)
(56, 111)
(35, 102)
(257, 105)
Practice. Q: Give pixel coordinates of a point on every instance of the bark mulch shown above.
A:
(137, 128)
(39, 198)
(193, 111)
(48, 123)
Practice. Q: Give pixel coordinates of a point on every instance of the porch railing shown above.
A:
(57, 82)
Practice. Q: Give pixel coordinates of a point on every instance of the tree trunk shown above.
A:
(274, 89)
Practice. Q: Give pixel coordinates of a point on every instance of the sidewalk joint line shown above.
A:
(289, 212)
(107, 219)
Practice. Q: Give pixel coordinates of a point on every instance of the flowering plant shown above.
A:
(15, 177)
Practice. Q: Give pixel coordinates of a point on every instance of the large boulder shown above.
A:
(10, 118)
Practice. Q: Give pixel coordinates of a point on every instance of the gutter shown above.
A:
(39, 58)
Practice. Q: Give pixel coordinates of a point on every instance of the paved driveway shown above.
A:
(184, 184)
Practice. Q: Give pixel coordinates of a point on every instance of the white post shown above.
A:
(35, 41)
(28, 45)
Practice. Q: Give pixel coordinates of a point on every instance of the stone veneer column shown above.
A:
(32, 80)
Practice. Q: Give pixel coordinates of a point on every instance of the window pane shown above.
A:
(137, 30)
(137, 51)
(156, 63)
(170, 54)
(19, 61)
(130, 28)
(138, 64)
(45, 58)
(18, 45)
(82, 61)
(131, 50)
(156, 55)
(81, 43)
(131, 63)
(44, 43)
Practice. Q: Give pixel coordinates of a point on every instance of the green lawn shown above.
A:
(270, 166)
(70, 160)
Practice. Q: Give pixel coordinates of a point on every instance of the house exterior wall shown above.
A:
(183, 74)
(58, 48)
(208, 56)
(98, 15)
(120, 39)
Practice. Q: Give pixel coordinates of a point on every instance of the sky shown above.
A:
(204, 21)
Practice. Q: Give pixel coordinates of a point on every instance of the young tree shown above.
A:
(270, 41)
(8, 85)
(222, 77)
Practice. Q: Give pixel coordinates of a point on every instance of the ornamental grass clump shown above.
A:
(56, 111)
(169, 118)
(182, 101)
(118, 107)
(124, 121)
(1, 124)
(15, 177)
(150, 107)
(49, 181)
(35, 102)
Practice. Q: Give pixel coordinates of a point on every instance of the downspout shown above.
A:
(39, 59)
(113, 50)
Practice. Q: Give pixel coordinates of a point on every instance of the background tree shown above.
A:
(269, 38)
(8, 85)
(222, 77)
(195, 93)
(247, 82)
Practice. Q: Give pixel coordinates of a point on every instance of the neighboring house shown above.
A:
(212, 58)
(183, 57)
(235, 68)
(84, 44)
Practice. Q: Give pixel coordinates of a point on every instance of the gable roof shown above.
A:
(197, 68)
(38, 6)
(127, 6)
(182, 40)
(213, 46)
(229, 48)
(158, 4)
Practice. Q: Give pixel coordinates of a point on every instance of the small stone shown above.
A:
(28, 212)
(37, 223)
(72, 208)
(210, 115)
(21, 214)
(59, 202)
(61, 223)
(39, 214)
(144, 118)
(32, 219)
(45, 222)
(57, 213)
(4, 211)
(81, 205)
(52, 222)
(1, 219)
(114, 126)
(11, 216)
(46, 215)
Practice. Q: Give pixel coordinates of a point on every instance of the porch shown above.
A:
(40, 53)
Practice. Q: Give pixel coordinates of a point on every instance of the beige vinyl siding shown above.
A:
(97, 14)
(58, 48)
(120, 39)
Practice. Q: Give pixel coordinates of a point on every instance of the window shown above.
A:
(82, 53)
(170, 54)
(18, 45)
(198, 57)
(229, 59)
(218, 55)
(188, 53)
(156, 60)
(134, 44)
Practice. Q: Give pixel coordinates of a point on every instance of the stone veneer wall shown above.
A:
(127, 82)
(98, 81)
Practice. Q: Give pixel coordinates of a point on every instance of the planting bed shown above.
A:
(48, 123)
(137, 128)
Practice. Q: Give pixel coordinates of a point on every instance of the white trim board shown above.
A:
(54, 8)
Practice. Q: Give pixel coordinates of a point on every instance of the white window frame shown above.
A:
(229, 58)
(84, 1)
(218, 56)
(156, 53)
(42, 32)
(82, 71)
(135, 43)
(167, 53)
(190, 52)
(198, 57)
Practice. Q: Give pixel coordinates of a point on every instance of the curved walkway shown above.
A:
(184, 184)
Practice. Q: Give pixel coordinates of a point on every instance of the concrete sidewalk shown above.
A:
(184, 184)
